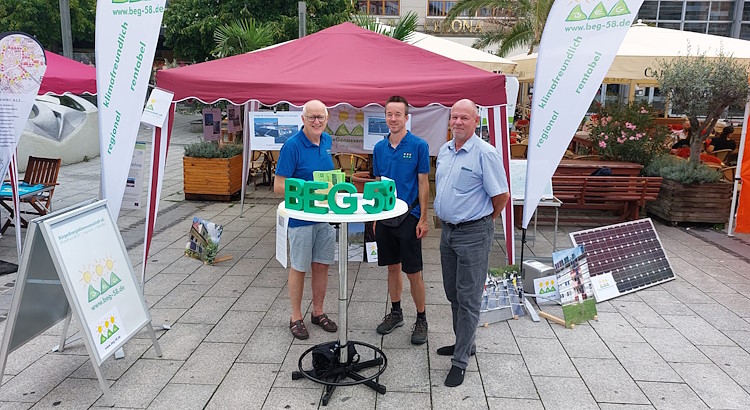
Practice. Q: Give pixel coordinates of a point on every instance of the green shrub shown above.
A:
(682, 171)
(627, 133)
(205, 149)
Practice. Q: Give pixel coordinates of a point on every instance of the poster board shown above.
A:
(211, 124)
(75, 260)
(270, 130)
(518, 181)
(131, 198)
(94, 268)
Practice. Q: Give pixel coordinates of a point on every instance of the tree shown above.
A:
(402, 29)
(523, 29)
(703, 87)
(190, 24)
(41, 19)
(242, 36)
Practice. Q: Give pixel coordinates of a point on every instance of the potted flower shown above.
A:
(212, 171)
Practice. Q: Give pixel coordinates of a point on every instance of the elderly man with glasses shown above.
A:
(311, 244)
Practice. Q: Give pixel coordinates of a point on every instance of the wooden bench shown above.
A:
(624, 195)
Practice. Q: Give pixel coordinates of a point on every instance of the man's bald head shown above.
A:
(314, 105)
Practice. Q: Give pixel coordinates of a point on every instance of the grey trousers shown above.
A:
(464, 254)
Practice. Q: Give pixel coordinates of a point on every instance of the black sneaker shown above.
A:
(390, 322)
(419, 335)
(455, 377)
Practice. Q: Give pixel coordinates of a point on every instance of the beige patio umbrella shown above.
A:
(636, 60)
(459, 52)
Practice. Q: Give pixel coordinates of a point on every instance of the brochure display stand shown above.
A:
(346, 367)
(76, 262)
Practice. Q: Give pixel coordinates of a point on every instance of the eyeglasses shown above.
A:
(313, 118)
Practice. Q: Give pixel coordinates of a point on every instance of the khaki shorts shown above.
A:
(311, 243)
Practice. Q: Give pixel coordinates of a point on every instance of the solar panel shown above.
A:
(624, 258)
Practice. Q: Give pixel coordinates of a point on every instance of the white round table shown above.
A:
(343, 219)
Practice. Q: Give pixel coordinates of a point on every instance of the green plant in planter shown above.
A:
(627, 133)
(682, 171)
(207, 149)
(703, 86)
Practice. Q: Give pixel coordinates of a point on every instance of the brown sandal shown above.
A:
(325, 322)
(298, 329)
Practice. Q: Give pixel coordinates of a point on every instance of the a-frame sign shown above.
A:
(74, 263)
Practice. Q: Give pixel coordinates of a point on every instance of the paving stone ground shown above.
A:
(682, 345)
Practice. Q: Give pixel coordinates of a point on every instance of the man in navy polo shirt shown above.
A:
(404, 158)
(311, 244)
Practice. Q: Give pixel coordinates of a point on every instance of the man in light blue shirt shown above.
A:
(472, 190)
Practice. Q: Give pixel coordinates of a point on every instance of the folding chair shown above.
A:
(42, 171)
(257, 167)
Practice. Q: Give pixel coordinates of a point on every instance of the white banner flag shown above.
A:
(578, 45)
(22, 66)
(126, 36)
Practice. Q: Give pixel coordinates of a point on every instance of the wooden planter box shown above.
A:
(212, 179)
(703, 203)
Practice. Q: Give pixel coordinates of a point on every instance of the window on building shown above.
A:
(648, 10)
(670, 10)
(442, 7)
(722, 11)
(695, 27)
(706, 16)
(696, 10)
(745, 31)
(378, 7)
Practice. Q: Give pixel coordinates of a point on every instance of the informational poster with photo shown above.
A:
(356, 246)
(203, 240)
(211, 124)
(574, 285)
(270, 130)
(132, 198)
(234, 119)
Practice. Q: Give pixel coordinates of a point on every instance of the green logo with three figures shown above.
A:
(619, 9)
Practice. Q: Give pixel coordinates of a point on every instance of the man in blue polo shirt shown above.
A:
(311, 244)
(472, 190)
(404, 158)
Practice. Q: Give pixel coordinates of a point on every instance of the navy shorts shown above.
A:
(400, 245)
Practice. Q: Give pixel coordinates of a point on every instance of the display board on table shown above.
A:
(518, 181)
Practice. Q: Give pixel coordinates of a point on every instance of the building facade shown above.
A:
(729, 18)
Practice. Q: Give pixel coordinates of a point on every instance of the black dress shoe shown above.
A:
(448, 350)
(455, 377)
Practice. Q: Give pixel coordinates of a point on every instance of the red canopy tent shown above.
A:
(66, 75)
(344, 64)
